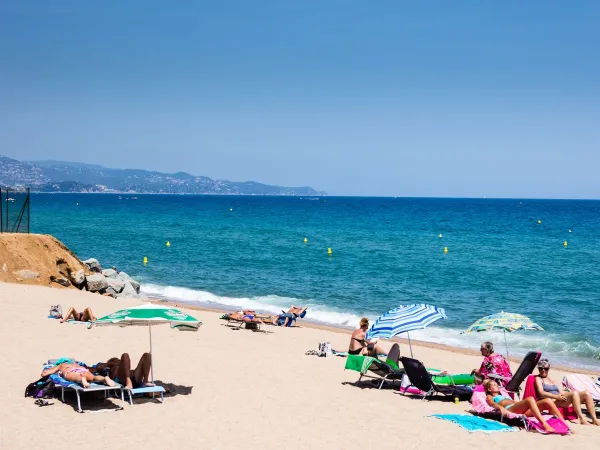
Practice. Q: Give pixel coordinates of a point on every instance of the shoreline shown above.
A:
(348, 331)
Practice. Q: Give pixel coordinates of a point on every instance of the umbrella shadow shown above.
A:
(173, 389)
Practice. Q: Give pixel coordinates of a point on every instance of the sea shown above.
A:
(540, 258)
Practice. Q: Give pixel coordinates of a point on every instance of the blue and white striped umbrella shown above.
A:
(403, 319)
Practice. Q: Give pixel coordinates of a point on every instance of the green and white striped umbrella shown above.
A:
(148, 315)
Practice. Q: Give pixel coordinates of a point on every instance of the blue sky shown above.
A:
(356, 97)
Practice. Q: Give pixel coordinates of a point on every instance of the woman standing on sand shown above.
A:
(359, 345)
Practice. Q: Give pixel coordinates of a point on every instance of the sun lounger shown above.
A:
(145, 390)
(63, 384)
(482, 408)
(421, 379)
(375, 368)
(580, 382)
(525, 369)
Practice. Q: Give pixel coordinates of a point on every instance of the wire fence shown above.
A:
(15, 210)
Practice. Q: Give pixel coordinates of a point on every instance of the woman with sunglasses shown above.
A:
(545, 388)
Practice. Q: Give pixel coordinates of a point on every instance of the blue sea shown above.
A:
(249, 251)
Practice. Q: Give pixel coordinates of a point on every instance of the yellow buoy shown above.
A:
(305, 241)
(168, 243)
(329, 252)
(440, 235)
(145, 260)
(445, 249)
(565, 243)
(539, 222)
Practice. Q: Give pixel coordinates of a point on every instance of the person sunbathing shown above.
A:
(246, 315)
(77, 374)
(298, 311)
(359, 345)
(119, 369)
(86, 316)
(527, 406)
(493, 363)
(545, 388)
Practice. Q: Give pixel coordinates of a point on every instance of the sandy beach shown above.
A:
(229, 388)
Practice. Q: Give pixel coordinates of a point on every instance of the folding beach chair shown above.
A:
(581, 382)
(421, 379)
(377, 369)
(525, 369)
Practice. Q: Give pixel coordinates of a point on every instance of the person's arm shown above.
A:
(493, 404)
(50, 371)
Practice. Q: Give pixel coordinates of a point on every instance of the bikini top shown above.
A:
(551, 388)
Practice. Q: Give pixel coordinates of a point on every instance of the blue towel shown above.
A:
(474, 423)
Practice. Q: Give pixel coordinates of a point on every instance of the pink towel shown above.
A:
(568, 413)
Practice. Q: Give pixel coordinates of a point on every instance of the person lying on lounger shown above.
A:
(86, 316)
(359, 345)
(119, 369)
(527, 406)
(545, 388)
(247, 316)
(77, 374)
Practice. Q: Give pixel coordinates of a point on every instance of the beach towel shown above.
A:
(474, 423)
(568, 413)
(580, 382)
(359, 363)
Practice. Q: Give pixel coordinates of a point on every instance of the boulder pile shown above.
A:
(108, 282)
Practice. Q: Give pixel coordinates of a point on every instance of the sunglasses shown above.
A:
(543, 369)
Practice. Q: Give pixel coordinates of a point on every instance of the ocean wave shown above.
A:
(561, 349)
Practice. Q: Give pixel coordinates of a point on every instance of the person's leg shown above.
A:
(528, 407)
(573, 399)
(141, 374)
(70, 313)
(124, 372)
(586, 398)
(87, 315)
(550, 406)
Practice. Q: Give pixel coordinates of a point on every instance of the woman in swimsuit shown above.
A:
(119, 369)
(246, 316)
(545, 388)
(527, 406)
(359, 345)
(86, 316)
(77, 374)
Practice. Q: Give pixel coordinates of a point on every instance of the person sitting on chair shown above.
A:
(493, 363)
(119, 369)
(359, 345)
(86, 316)
(545, 388)
(78, 374)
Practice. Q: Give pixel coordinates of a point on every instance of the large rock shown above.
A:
(93, 265)
(27, 274)
(62, 281)
(110, 273)
(96, 282)
(116, 284)
(127, 279)
(128, 292)
(78, 277)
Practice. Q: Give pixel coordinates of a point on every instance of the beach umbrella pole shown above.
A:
(506, 345)
(410, 345)
(151, 357)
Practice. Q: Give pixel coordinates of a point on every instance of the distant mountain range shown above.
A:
(61, 176)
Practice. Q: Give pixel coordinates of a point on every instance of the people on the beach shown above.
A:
(493, 363)
(359, 345)
(119, 369)
(86, 316)
(299, 312)
(78, 374)
(546, 388)
(527, 406)
(246, 316)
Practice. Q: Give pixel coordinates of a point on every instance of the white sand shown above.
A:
(249, 389)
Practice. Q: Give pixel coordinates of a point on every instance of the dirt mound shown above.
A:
(36, 259)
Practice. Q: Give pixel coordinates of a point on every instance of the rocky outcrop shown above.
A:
(93, 265)
(128, 292)
(110, 273)
(78, 277)
(96, 282)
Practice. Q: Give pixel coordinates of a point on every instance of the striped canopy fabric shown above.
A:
(403, 319)
(504, 321)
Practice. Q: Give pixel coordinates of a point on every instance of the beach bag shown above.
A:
(55, 312)
(325, 349)
(42, 388)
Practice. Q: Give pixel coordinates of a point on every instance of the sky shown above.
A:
(355, 97)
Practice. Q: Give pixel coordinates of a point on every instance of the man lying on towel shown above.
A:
(77, 374)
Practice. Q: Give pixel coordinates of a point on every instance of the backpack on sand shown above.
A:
(42, 388)
(55, 312)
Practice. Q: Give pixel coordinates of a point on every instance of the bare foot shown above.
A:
(597, 422)
(149, 385)
(109, 382)
(85, 383)
(548, 428)
(62, 320)
(584, 422)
